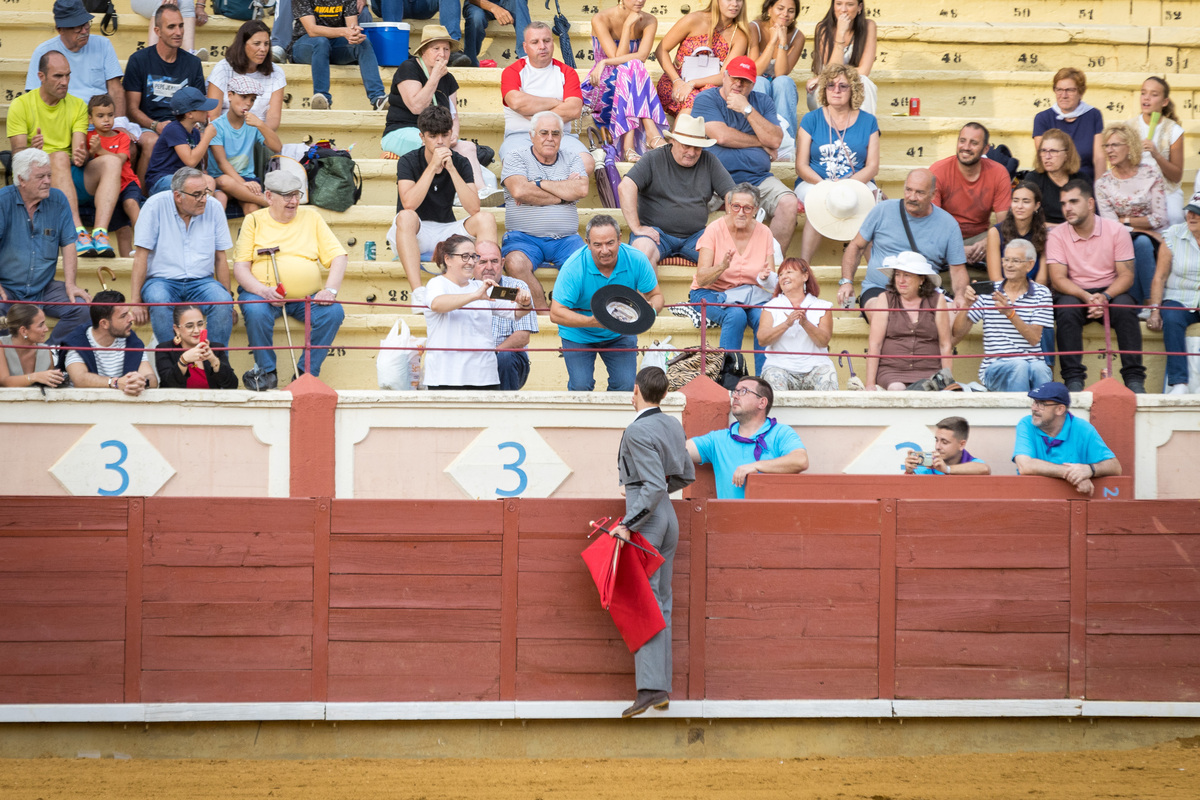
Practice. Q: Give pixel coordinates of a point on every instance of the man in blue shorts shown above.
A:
(542, 188)
(754, 443)
(604, 262)
(1055, 443)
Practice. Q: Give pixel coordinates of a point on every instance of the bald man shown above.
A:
(512, 335)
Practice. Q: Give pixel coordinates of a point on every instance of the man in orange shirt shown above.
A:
(971, 187)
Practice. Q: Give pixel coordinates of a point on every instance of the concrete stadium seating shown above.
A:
(990, 61)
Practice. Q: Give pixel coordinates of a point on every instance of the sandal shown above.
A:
(389, 156)
(632, 156)
(657, 143)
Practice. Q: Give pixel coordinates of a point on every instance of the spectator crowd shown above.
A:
(149, 160)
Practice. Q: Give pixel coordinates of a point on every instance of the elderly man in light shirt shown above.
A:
(179, 257)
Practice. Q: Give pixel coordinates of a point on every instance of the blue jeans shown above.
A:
(1176, 319)
(260, 329)
(55, 303)
(321, 52)
(1143, 268)
(477, 22)
(781, 89)
(400, 10)
(513, 366)
(733, 321)
(1016, 374)
(201, 291)
(281, 29)
(669, 245)
(450, 15)
(581, 365)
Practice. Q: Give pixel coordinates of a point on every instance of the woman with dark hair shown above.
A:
(1025, 220)
(796, 321)
(27, 364)
(250, 55)
(845, 36)
(911, 328)
(1165, 148)
(775, 45)
(1075, 118)
(460, 350)
(721, 28)
(1057, 163)
(192, 363)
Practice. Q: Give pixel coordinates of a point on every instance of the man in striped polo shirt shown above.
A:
(542, 188)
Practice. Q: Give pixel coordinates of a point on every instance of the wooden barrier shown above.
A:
(285, 600)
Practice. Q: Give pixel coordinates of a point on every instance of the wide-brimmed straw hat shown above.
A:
(437, 33)
(910, 262)
(837, 208)
(689, 130)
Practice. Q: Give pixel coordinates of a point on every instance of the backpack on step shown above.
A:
(334, 180)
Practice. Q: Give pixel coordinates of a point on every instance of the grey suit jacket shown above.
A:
(652, 462)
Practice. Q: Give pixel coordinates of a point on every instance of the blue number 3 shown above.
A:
(115, 466)
(522, 478)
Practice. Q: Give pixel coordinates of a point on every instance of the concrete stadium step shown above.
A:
(1128, 12)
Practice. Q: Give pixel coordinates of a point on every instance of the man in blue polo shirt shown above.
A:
(35, 226)
(754, 443)
(179, 256)
(603, 262)
(1055, 443)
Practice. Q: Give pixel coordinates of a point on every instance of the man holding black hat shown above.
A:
(1055, 443)
(605, 262)
(665, 195)
(278, 257)
(94, 65)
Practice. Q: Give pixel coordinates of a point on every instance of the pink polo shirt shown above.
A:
(1090, 262)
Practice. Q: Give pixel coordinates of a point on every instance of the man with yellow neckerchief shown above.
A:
(305, 245)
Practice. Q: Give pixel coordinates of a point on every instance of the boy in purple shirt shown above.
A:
(950, 456)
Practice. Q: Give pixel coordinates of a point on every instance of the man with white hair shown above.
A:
(35, 226)
(542, 188)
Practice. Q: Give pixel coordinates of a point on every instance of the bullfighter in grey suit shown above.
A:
(653, 462)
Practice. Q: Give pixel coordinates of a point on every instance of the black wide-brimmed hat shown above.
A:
(622, 309)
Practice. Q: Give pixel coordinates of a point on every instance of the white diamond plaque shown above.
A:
(513, 461)
(112, 460)
(885, 456)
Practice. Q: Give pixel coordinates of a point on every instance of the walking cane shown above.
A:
(271, 251)
(112, 276)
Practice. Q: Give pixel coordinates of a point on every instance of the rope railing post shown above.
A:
(703, 334)
(307, 335)
(1108, 356)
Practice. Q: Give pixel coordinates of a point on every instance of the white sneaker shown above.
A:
(1144, 314)
(418, 299)
(278, 55)
(1177, 388)
(319, 102)
(491, 198)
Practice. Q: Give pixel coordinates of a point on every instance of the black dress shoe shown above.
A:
(1074, 386)
(647, 699)
(1135, 386)
(460, 60)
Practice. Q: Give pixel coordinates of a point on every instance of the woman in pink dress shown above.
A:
(619, 89)
(722, 27)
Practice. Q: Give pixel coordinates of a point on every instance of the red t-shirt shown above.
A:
(118, 142)
(971, 204)
(555, 80)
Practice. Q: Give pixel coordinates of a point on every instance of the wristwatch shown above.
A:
(844, 281)
(112, 383)
(331, 291)
(748, 110)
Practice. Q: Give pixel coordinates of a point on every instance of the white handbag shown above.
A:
(700, 65)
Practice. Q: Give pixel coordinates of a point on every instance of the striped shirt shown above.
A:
(547, 222)
(1183, 282)
(1000, 335)
(110, 361)
(503, 327)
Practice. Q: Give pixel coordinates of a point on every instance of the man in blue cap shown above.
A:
(1055, 443)
(94, 65)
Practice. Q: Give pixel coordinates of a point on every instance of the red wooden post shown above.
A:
(698, 598)
(707, 410)
(311, 439)
(1113, 410)
(509, 568)
(887, 598)
(133, 601)
(1077, 640)
(320, 604)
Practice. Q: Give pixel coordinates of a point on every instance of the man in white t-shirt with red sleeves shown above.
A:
(540, 82)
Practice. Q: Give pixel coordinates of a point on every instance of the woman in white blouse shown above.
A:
(796, 321)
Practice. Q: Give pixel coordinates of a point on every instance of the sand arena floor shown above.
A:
(1169, 771)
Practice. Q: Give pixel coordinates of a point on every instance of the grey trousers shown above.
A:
(652, 662)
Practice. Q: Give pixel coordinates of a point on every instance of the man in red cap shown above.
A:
(746, 127)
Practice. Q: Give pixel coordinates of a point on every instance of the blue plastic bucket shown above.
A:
(389, 40)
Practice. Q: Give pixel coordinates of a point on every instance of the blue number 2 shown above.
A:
(115, 466)
(522, 478)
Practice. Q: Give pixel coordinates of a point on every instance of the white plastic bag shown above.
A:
(399, 369)
(657, 354)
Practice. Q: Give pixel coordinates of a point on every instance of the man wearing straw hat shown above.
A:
(302, 243)
(665, 195)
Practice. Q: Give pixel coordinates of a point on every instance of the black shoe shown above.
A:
(647, 699)
(258, 381)
(1074, 386)
(460, 60)
(1137, 387)
(484, 154)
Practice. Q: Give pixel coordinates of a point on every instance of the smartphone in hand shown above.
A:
(204, 335)
(503, 293)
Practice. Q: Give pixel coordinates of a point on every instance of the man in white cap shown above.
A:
(664, 197)
(304, 243)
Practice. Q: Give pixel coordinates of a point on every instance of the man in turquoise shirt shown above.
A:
(1055, 443)
(754, 443)
(604, 262)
